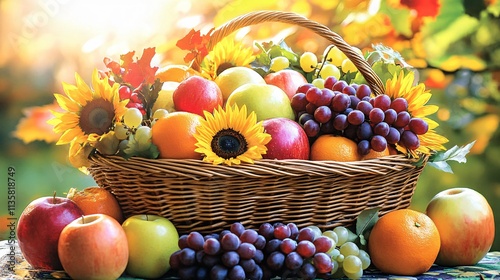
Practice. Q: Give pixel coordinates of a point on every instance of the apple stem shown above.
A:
(54, 198)
(83, 220)
(417, 224)
(147, 218)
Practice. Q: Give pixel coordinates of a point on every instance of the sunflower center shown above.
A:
(224, 66)
(228, 143)
(97, 116)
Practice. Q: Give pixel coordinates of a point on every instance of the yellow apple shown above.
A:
(152, 240)
(267, 101)
(234, 77)
(165, 99)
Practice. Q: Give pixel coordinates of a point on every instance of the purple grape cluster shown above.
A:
(374, 122)
(239, 253)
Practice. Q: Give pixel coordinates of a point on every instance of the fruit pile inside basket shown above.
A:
(234, 104)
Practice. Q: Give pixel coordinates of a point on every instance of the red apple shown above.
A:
(196, 94)
(39, 227)
(465, 223)
(93, 247)
(288, 80)
(288, 139)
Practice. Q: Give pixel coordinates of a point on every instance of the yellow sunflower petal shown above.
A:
(67, 104)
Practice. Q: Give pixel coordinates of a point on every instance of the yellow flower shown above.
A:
(417, 98)
(226, 54)
(231, 136)
(88, 114)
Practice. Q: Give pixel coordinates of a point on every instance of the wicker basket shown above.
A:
(200, 196)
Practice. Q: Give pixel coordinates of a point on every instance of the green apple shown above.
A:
(151, 240)
(234, 77)
(267, 101)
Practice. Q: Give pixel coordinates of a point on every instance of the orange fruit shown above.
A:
(331, 147)
(96, 200)
(375, 154)
(404, 242)
(174, 135)
(175, 73)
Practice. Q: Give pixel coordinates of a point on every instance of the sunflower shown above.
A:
(88, 113)
(231, 136)
(226, 54)
(417, 98)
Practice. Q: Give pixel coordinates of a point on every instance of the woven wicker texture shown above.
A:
(200, 196)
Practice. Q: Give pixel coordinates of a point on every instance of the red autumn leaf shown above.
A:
(140, 71)
(195, 43)
(424, 8)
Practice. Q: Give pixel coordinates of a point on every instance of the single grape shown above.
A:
(352, 264)
(317, 231)
(365, 259)
(402, 120)
(294, 230)
(364, 147)
(246, 251)
(378, 143)
(393, 136)
(195, 241)
(340, 122)
(304, 88)
(182, 241)
(323, 244)
(349, 248)
(175, 261)
(381, 129)
(275, 260)
(322, 262)
(364, 131)
(329, 70)
(342, 235)
(356, 117)
(313, 94)
(306, 248)
(266, 230)
(272, 245)
(399, 104)
(202, 272)
(322, 114)
(230, 242)
(410, 140)
(124, 92)
(363, 91)
(325, 98)
(340, 103)
(199, 256)
(319, 83)
(351, 132)
(348, 66)
(288, 245)
(279, 63)
(160, 113)
(332, 235)
(306, 234)
(311, 127)
(335, 267)
(218, 272)
(237, 228)
(259, 256)
(310, 108)
(211, 246)
(249, 236)
(382, 101)
(281, 232)
(418, 126)
(354, 101)
(334, 55)
(134, 97)
(256, 274)
(230, 258)
(260, 242)
(307, 272)
(334, 253)
(339, 85)
(356, 275)
(365, 107)
(247, 265)
(308, 61)
(390, 116)
(299, 102)
(188, 272)
(349, 90)
(376, 115)
(329, 82)
(121, 131)
(293, 261)
(132, 117)
(302, 120)
(187, 256)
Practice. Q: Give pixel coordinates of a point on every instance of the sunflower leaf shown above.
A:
(439, 159)
(366, 220)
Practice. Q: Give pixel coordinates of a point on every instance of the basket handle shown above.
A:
(292, 18)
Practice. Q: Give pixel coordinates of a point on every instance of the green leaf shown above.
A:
(439, 159)
(366, 220)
